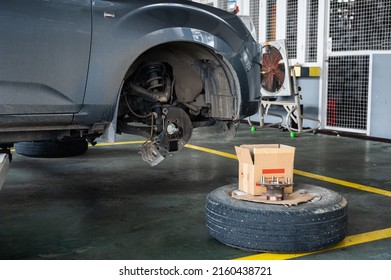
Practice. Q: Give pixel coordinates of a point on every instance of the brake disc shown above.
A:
(177, 131)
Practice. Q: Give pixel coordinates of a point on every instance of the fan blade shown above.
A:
(267, 82)
(275, 57)
(266, 61)
(279, 73)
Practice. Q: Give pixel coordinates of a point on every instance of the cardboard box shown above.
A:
(268, 160)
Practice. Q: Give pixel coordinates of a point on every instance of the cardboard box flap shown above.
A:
(287, 147)
(282, 156)
(256, 146)
(244, 155)
(271, 150)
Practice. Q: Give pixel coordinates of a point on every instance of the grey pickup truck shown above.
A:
(77, 70)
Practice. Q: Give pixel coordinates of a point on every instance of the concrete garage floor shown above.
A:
(109, 204)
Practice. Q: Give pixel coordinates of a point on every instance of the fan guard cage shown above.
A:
(275, 79)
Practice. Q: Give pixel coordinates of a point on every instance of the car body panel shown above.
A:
(64, 62)
(140, 25)
(44, 54)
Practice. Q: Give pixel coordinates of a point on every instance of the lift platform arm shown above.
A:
(4, 166)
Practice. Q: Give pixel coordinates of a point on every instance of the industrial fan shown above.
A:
(275, 76)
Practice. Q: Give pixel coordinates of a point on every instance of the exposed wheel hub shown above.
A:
(176, 132)
(274, 187)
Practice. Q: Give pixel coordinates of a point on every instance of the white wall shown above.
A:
(213, 2)
(380, 107)
(244, 7)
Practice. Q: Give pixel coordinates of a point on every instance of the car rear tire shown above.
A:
(52, 149)
(251, 226)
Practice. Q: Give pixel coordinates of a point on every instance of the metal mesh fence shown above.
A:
(223, 4)
(271, 20)
(311, 51)
(360, 25)
(291, 28)
(254, 14)
(347, 92)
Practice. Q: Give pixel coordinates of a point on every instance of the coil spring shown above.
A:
(155, 73)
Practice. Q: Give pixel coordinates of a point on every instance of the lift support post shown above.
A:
(4, 166)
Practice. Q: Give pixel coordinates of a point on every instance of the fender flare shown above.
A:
(154, 27)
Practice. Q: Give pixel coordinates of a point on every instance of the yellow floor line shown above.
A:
(120, 143)
(298, 172)
(347, 242)
(343, 183)
(304, 173)
(211, 151)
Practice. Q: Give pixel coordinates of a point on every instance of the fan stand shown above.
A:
(290, 107)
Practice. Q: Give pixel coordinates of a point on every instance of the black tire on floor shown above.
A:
(52, 149)
(251, 226)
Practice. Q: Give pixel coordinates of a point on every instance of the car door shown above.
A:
(44, 55)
